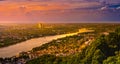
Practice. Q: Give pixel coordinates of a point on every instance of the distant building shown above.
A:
(40, 25)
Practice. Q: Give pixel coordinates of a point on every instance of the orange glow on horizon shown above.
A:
(29, 7)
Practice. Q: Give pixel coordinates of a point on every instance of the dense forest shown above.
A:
(105, 49)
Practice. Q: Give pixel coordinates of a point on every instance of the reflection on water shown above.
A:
(29, 44)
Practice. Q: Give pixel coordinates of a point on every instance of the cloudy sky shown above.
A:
(59, 11)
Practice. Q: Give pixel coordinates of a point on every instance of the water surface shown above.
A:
(30, 44)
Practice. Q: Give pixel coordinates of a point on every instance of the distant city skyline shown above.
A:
(59, 11)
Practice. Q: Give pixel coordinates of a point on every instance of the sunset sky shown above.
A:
(20, 11)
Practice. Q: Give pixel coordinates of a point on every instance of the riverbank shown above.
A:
(14, 33)
(20, 47)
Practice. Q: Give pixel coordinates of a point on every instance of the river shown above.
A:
(30, 44)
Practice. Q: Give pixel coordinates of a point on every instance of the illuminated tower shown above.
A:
(40, 25)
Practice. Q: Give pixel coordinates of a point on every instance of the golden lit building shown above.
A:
(40, 25)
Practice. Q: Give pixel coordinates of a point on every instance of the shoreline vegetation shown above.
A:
(98, 47)
(35, 42)
(78, 35)
(105, 49)
(11, 34)
(15, 33)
